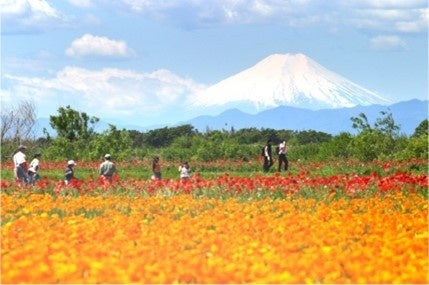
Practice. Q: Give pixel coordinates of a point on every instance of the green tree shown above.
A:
(165, 136)
(374, 142)
(116, 142)
(72, 125)
(311, 136)
(360, 123)
(338, 147)
(386, 124)
(422, 129)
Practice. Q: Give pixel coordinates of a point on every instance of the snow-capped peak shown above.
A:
(287, 79)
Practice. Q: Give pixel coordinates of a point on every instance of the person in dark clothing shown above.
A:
(156, 168)
(69, 172)
(282, 156)
(268, 158)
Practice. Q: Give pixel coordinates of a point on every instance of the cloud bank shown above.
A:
(110, 91)
(89, 45)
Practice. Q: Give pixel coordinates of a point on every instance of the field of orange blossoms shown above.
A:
(302, 227)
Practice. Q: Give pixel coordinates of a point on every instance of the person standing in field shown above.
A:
(107, 168)
(69, 172)
(268, 158)
(283, 161)
(20, 165)
(33, 170)
(184, 171)
(156, 168)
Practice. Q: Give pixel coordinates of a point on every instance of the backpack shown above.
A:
(263, 151)
(277, 149)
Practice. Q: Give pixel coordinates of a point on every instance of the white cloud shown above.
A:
(379, 15)
(419, 23)
(388, 15)
(35, 8)
(82, 3)
(388, 43)
(29, 15)
(89, 45)
(43, 9)
(390, 3)
(13, 7)
(106, 92)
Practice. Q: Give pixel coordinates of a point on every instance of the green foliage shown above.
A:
(165, 136)
(386, 125)
(113, 141)
(72, 125)
(360, 123)
(376, 142)
(339, 146)
(416, 147)
(77, 140)
(422, 129)
(307, 152)
(367, 145)
(309, 137)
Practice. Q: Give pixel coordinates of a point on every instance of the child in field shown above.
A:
(33, 170)
(184, 171)
(69, 172)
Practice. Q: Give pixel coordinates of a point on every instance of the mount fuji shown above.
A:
(292, 80)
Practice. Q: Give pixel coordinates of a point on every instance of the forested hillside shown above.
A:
(75, 138)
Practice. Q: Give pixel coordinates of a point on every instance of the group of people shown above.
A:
(29, 174)
(184, 170)
(281, 151)
(106, 170)
(24, 173)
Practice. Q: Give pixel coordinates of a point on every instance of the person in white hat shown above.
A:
(69, 172)
(20, 165)
(107, 168)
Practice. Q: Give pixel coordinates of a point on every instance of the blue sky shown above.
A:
(138, 62)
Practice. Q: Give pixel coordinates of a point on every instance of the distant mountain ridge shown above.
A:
(408, 115)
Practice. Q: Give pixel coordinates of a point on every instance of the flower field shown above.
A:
(368, 225)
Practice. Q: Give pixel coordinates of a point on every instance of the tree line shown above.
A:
(76, 139)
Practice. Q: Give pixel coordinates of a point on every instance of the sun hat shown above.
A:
(71, 162)
(22, 147)
(107, 155)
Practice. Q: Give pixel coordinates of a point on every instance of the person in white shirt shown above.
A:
(283, 161)
(20, 165)
(184, 171)
(33, 169)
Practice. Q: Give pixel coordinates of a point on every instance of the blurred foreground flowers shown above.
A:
(187, 239)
